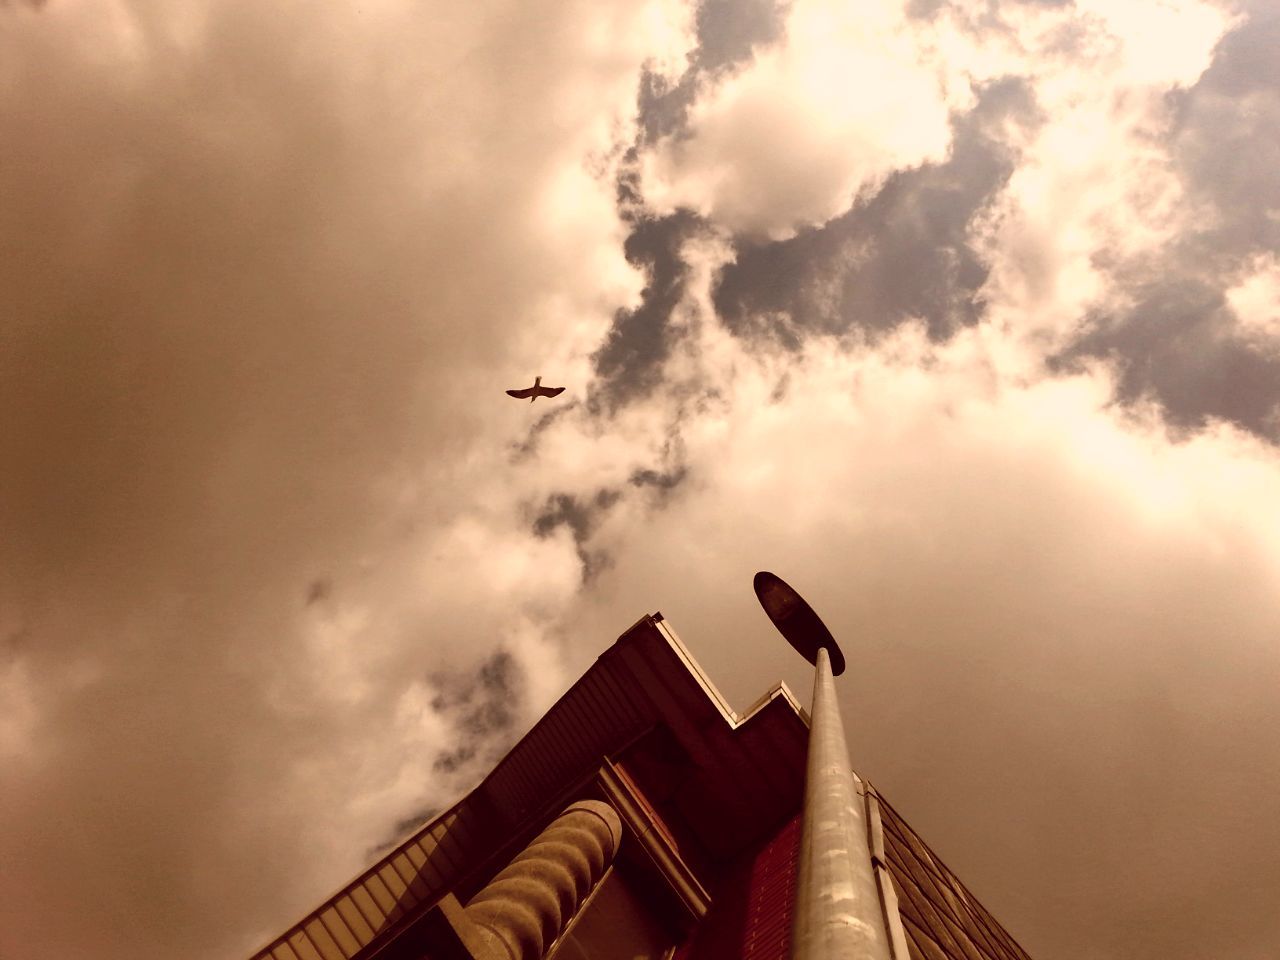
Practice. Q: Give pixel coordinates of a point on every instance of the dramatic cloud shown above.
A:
(904, 254)
(1061, 575)
(961, 316)
(265, 273)
(1183, 317)
(791, 138)
(1050, 605)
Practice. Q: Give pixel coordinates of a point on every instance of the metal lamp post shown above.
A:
(838, 914)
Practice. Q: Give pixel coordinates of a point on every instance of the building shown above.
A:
(639, 818)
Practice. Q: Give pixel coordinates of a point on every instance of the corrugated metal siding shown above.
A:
(600, 713)
(772, 898)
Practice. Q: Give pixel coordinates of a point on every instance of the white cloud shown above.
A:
(791, 138)
(1093, 188)
(1095, 185)
(1159, 43)
(1255, 300)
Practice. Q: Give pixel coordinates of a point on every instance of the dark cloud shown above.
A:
(1180, 346)
(179, 313)
(319, 590)
(581, 517)
(481, 708)
(629, 363)
(524, 448)
(397, 833)
(1175, 341)
(450, 761)
(662, 481)
(1227, 139)
(904, 253)
(988, 17)
(256, 265)
(729, 32)
(924, 9)
(672, 470)
(411, 823)
(566, 510)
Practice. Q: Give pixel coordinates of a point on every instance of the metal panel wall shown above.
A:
(941, 918)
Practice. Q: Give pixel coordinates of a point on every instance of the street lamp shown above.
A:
(838, 915)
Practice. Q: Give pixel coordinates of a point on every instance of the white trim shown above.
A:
(884, 880)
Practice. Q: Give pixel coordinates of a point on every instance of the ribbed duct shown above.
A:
(526, 906)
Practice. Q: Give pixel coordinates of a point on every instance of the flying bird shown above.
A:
(536, 391)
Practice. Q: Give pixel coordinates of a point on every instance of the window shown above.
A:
(616, 924)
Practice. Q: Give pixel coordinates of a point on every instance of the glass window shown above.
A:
(616, 924)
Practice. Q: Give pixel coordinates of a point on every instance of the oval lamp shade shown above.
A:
(796, 620)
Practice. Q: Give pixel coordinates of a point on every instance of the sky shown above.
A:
(961, 316)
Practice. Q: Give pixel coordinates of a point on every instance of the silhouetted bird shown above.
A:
(536, 391)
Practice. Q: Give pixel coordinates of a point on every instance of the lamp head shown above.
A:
(796, 620)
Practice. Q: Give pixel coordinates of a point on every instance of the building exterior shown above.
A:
(640, 818)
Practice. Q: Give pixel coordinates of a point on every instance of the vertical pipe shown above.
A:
(522, 910)
(838, 915)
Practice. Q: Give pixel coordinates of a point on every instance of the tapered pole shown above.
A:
(838, 913)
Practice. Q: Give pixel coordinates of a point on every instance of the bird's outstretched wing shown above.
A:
(524, 394)
(550, 391)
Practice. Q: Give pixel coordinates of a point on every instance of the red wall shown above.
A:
(751, 913)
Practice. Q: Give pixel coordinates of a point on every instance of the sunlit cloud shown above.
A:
(794, 136)
(1255, 300)
(284, 570)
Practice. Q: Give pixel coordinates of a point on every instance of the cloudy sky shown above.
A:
(962, 316)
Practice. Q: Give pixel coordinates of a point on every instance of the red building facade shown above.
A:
(639, 818)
